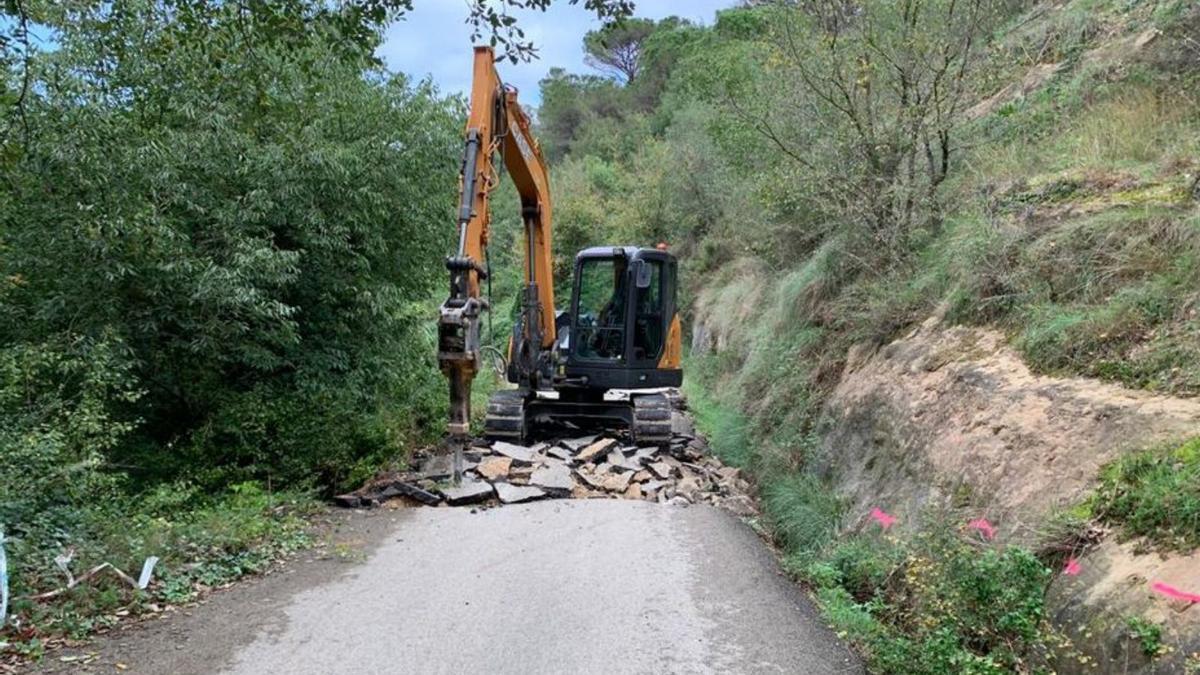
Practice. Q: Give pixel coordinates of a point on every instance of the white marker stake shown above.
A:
(147, 572)
(3, 582)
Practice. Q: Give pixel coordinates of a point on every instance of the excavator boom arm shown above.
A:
(496, 127)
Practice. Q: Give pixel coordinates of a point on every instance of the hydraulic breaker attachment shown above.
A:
(459, 352)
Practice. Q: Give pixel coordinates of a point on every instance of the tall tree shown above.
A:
(616, 49)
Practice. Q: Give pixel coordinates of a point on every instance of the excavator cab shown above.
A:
(622, 331)
(616, 350)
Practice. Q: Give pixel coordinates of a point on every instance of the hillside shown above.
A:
(978, 223)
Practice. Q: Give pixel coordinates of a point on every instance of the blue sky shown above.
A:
(434, 40)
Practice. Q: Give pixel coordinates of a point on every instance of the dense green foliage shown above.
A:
(1066, 217)
(220, 240)
(937, 604)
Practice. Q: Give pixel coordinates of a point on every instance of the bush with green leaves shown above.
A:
(250, 222)
(1154, 494)
(221, 234)
(937, 603)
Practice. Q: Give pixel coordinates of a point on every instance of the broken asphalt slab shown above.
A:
(553, 478)
(469, 492)
(586, 467)
(516, 494)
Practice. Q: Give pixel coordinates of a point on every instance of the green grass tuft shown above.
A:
(804, 514)
(1155, 494)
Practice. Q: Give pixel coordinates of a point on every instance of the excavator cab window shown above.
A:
(600, 318)
(648, 311)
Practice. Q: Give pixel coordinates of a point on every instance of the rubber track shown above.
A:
(505, 418)
(651, 420)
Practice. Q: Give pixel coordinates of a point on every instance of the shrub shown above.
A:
(1155, 494)
(1147, 634)
(936, 604)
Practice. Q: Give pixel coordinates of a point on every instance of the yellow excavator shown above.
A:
(604, 362)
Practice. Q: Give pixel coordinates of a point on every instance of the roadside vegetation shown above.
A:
(220, 237)
(1153, 494)
(942, 601)
(825, 195)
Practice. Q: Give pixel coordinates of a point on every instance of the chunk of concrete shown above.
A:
(554, 479)
(662, 470)
(515, 494)
(494, 468)
(469, 492)
(584, 492)
(617, 482)
(401, 488)
(560, 452)
(519, 475)
(593, 451)
(576, 443)
(645, 455)
(634, 491)
(652, 487)
(517, 453)
(591, 479)
(688, 487)
(618, 459)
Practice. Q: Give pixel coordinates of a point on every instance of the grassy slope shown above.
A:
(1075, 228)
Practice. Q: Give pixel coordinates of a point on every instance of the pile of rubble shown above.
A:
(588, 467)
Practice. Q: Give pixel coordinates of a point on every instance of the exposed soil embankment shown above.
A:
(951, 419)
(954, 417)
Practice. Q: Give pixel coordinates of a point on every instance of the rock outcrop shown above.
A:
(951, 420)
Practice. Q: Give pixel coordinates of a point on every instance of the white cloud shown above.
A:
(435, 40)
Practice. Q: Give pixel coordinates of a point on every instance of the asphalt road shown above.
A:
(552, 587)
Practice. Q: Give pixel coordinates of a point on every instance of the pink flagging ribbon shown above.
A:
(1072, 567)
(1170, 591)
(884, 519)
(984, 527)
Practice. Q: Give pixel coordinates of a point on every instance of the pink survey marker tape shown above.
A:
(985, 528)
(1173, 593)
(1072, 567)
(885, 520)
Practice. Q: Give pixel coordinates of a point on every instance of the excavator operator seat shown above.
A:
(622, 311)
